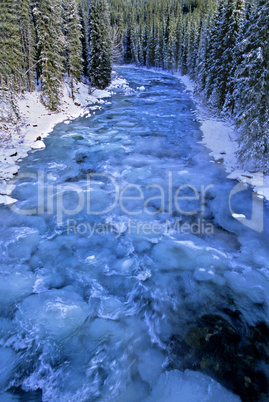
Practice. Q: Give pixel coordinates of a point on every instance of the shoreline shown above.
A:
(37, 122)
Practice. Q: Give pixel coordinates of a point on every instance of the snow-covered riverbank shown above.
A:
(36, 122)
(221, 138)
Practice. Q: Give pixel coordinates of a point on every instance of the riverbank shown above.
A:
(36, 122)
(220, 136)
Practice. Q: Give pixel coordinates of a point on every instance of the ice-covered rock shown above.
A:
(38, 145)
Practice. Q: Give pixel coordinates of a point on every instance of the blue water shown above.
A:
(124, 276)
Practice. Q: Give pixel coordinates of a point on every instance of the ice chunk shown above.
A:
(111, 308)
(186, 255)
(150, 365)
(24, 241)
(189, 386)
(14, 287)
(38, 145)
(57, 313)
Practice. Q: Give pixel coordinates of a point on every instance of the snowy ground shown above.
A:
(37, 122)
(220, 136)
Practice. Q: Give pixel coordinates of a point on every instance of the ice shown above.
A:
(150, 365)
(249, 290)
(7, 367)
(55, 313)
(111, 308)
(38, 145)
(189, 386)
(182, 255)
(102, 330)
(14, 287)
(24, 241)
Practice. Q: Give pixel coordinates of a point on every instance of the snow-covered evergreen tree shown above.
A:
(251, 86)
(11, 51)
(214, 55)
(178, 41)
(100, 44)
(50, 43)
(73, 31)
(28, 43)
(83, 9)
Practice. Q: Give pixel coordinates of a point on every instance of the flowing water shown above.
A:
(124, 275)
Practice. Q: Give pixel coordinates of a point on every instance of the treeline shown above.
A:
(224, 47)
(41, 41)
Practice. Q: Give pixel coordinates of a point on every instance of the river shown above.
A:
(124, 273)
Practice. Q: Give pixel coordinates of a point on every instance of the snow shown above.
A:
(37, 122)
(220, 137)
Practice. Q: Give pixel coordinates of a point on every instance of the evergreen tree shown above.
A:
(73, 43)
(251, 87)
(214, 55)
(84, 19)
(178, 41)
(28, 43)
(50, 43)
(11, 51)
(202, 57)
(100, 44)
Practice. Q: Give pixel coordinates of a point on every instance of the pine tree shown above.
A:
(193, 43)
(151, 47)
(171, 49)
(214, 55)
(178, 41)
(84, 19)
(73, 43)
(100, 44)
(28, 43)
(50, 43)
(202, 57)
(11, 51)
(11, 63)
(251, 87)
(234, 16)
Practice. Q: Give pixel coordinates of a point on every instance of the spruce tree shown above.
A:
(50, 43)
(251, 87)
(100, 44)
(84, 19)
(73, 43)
(28, 43)
(11, 50)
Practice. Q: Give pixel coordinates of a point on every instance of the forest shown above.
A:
(221, 44)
